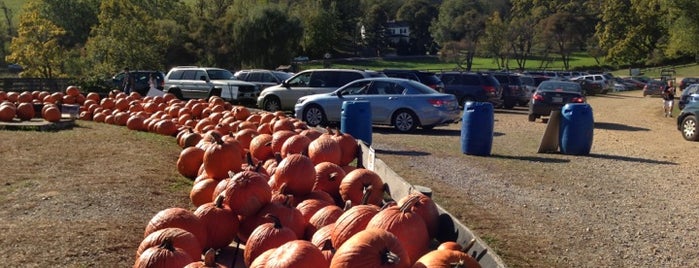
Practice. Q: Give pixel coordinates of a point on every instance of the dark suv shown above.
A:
(141, 78)
(513, 90)
(472, 86)
(428, 78)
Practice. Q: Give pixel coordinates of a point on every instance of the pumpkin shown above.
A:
(245, 192)
(328, 178)
(244, 136)
(355, 184)
(7, 113)
(450, 245)
(180, 238)
(278, 139)
(348, 147)
(189, 138)
(296, 144)
(288, 215)
(426, 208)
(53, 114)
(321, 218)
(324, 149)
(166, 127)
(189, 161)
(222, 157)
(311, 133)
(25, 111)
(220, 222)
(309, 207)
(297, 172)
(202, 190)
(371, 248)
(135, 122)
(446, 258)
(352, 221)
(261, 146)
(209, 261)
(178, 218)
(266, 236)
(322, 236)
(407, 226)
(296, 254)
(164, 255)
(284, 123)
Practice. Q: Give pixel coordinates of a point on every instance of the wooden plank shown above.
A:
(549, 142)
(451, 229)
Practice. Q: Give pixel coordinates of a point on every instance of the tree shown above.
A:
(521, 35)
(374, 30)
(76, 17)
(36, 46)
(210, 33)
(562, 30)
(496, 40)
(459, 26)
(684, 30)
(631, 31)
(419, 14)
(125, 37)
(267, 37)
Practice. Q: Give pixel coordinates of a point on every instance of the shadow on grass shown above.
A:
(421, 132)
(504, 111)
(532, 158)
(615, 126)
(630, 159)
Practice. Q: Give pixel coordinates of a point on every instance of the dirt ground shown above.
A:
(82, 197)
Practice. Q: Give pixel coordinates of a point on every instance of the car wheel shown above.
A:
(523, 103)
(314, 115)
(689, 128)
(508, 104)
(177, 92)
(405, 121)
(272, 104)
(532, 117)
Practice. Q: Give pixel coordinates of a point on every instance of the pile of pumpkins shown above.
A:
(21, 105)
(285, 191)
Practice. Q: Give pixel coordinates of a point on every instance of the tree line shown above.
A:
(83, 38)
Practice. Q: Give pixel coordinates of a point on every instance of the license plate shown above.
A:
(557, 99)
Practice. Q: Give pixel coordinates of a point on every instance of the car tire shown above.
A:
(214, 92)
(532, 117)
(508, 104)
(523, 103)
(689, 128)
(314, 115)
(271, 104)
(177, 92)
(404, 121)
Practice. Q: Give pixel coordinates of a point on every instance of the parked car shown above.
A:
(428, 78)
(472, 86)
(192, 82)
(308, 82)
(605, 81)
(635, 83)
(262, 78)
(654, 88)
(689, 94)
(141, 78)
(529, 83)
(402, 103)
(685, 82)
(513, 91)
(687, 121)
(590, 88)
(553, 95)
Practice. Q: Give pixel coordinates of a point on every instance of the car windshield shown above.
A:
(559, 86)
(220, 75)
(282, 76)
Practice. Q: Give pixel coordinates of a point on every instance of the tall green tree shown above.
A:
(458, 29)
(684, 28)
(267, 37)
(37, 46)
(419, 14)
(632, 32)
(562, 31)
(76, 17)
(496, 42)
(374, 30)
(125, 37)
(210, 33)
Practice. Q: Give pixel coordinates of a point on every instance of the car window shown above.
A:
(384, 88)
(344, 78)
(451, 79)
(189, 75)
(301, 80)
(417, 88)
(356, 88)
(266, 77)
(253, 77)
(322, 79)
(176, 75)
(526, 80)
(566, 87)
(471, 79)
(219, 75)
(281, 76)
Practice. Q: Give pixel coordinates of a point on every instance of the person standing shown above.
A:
(669, 98)
(128, 82)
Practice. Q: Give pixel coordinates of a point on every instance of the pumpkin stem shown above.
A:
(219, 201)
(275, 220)
(408, 205)
(167, 244)
(277, 157)
(328, 245)
(333, 176)
(248, 158)
(210, 258)
(469, 245)
(367, 192)
(348, 205)
(389, 257)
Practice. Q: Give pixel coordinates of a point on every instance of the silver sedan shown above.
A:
(401, 103)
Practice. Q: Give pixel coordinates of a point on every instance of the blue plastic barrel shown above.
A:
(575, 133)
(477, 128)
(356, 120)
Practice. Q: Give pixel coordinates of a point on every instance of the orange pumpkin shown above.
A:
(297, 172)
(25, 111)
(355, 184)
(178, 218)
(53, 114)
(189, 161)
(325, 149)
(180, 238)
(371, 248)
(297, 254)
(164, 255)
(407, 226)
(266, 236)
(220, 222)
(222, 157)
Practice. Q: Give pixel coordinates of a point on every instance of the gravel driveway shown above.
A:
(631, 202)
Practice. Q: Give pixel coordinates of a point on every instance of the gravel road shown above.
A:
(631, 202)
